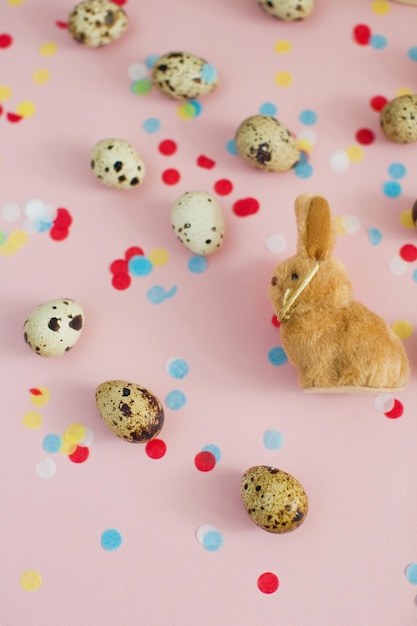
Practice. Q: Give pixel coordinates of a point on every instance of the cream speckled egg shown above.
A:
(53, 328)
(274, 500)
(96, 23)
(263, 142)
(198, 222)
(398, 119)
(117, 164)
(130, 411)
(184, 76)
(288, 10)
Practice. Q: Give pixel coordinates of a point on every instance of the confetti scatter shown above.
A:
(6, 40)
(30, 580)
(205, 461)
(197, 264)
(205, 162)
(210, 538)
(245, 207)
(268, 582)
(375, 236)
(277, 356)
(214, 450)
(411, 573)
(276, 243)
(32, 419)
(177, 367)
(402, 329)
(156, 448)
(46, 468)
(111, 539)
(39, 396)
(175, 400)
(396, 411)
(365, 136)
(167, 147)
(273, 439)
(362, 34)
(158, 294)
(135, 263)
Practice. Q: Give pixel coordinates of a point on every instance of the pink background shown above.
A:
(347, 563)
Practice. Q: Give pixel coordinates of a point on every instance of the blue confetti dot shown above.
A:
(151, 125)
(150, 60)
(51, 443)
(139, 265)
(214, 450)
(375, 236)
(303, 170)
(177, 368)
(411, 573)
(397, 170)
(277, 356)
(273, 439)
(43, 226)
(156, 294)
(268, 108)
(378, 42)
(175, 399)
(196, 106)
(212, 541)
(412, 53)
(197, 264)
(209, 73)
(111, 539)
(308, 117)
(392, 189)
(415, 276)
(231, 147)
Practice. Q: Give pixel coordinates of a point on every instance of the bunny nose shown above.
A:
(274, 281)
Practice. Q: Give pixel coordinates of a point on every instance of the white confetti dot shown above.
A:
(29, 226)
(10, 211)
(384, 402)
(136, 71)
(46, 468)
(351, 224)
(276, 243)
(34, 209)
(88, 438)
(308, 135)
(203, 530)
(339, 161)
(397, 266)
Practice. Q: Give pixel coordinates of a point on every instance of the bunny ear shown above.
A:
(315, 237)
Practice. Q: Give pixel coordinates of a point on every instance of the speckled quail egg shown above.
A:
(130, 411)
(263, 142)
(96, 23)
(198, 222)
(53, 328)
(116, 163)
(274, 500)
(398, 119)
(184, 76)
(288, 10)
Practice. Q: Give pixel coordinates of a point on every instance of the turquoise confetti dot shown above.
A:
(375, 236)
(212, 541)
(150, 60)
(273, 439)
(51, 443)
(42, 226)
(412, 53)
(209, 73)
(197, 264)
(196, 106)
(139, 265)
(214, 450)
(378, 42)
(175, 399)
(415, 276)
(268, 108)
(392, 189)
(303, 170)
(156, 294)
(308, 117)
(411, 573)
(231, 147)
(151, 125)
(277, 356)
(397, 170)
(111, 539)
(177, 368)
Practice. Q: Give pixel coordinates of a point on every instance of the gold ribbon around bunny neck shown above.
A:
(291, 296)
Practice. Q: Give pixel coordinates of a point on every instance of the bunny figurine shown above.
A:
(336, 343)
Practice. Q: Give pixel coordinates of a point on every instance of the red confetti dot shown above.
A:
(80, 454)
(121, 281)
(119, 266)
(5, 40)
(205, 461)
(275, 321)
(58, 234)
(167, 147)
(378, 102)
(63, 218)
(362, 34)
(35, 392)
(156, 448)
(14, 117)
(133, 251)
(223, 187)
(206, 162)
(120, 2)
(365, 136)
(61, 24)
(408, 252)
(1, 109)
(396, 411)
(268, 582)
(170, 177)
(246, 206)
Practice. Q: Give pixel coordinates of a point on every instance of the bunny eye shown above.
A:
(294, 276)
(273, 281)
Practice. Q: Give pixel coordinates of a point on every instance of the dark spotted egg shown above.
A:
(184, 76)
(53, 328)
(287, 10)
(274, 500)
(398, 119)
(96, 23)
(198, 222)
(116, 163)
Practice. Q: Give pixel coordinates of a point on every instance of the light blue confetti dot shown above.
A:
(51, 443)
(411, 573)
(139, 265)
(209, 73)
(212, 541)
(375, 236)
(303, 170)
(392, 189)
(175, 399)
(156, 294)
(151, 125)
(196, 106)
(197, 264)
(231, 147)
(397, 170)
(277, 356)
(111, 539)
(178, 368)
(171, 292)
(378, 42)
(42, 226)
(415, 276)
(268, 108)
(210, 447)
(308, 117)
(150, 60)
(273, 439)
(303, 158)
(412, 53)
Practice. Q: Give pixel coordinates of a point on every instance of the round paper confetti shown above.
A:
(276, 243)
(231, 147)
(167, 147)
(121, 281)
(308, 117)
(48, 49)
(39, 396)
(208, 73)
(75, 432)
(67, 448)
(362, 34)
(375, 236)
(175, 399)
(158, 257)
(140, 265)
(378, 42)
(408, 252)
(197, 264)
(202, 530)
(136, 71)
(10, 211)
(171, 176)
(223, 187)
(396, 411)
(212, 541)
(282, 46)
(5, 93)
(411, 573)
(51, 443)
(355, 153)
(403, 329)
(151, 125)
(365, 136)
(380, 7)
(384, 402)
(277, 356)
(156, 448)
(273, 439)
(46, 468)
(119, 266)
(141, 87)
(245, 207)
(26, 109)
(133, 251)
(205, 162)
(412, 53)
(30, 580)
(268, 108)
(205, 461)
(391, 189)
(6, 40)
(339, 161)
(303, 169)
(158, 294)
(397, 170)
(283, 79)
(350, 224)
(215, 451)
(32, 419)
(111, 539)
(268, 582)
(88, 438)
(80, 454)
(397, 266)
(177, 368)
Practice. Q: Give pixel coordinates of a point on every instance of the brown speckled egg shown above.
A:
(274, 500)
(96, 23)
(183, 76)
(130, 411)
(53, 328)
(288, 10)
(263, 142)
(116, 163)
(398, 119)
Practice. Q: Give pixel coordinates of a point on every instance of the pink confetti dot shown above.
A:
(362, 34)
(408, 252)
(156, 448)
(167, 147)
(171, 176)
(396, 411)
(268, 582)
(223, 187)
(246, 206)
(365, 136)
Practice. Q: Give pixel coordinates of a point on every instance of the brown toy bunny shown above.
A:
(336, 343)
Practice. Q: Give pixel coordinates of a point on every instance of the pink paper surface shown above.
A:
(349, 562)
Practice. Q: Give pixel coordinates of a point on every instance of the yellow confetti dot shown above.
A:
(380, 7)
(32, 419)
(25, 109)
(16, 3)
(75, 432)
(339, 225)
(283, 79)
(18, 238)
(41, 76)
(8, 248)
(403, 329)
(5, 93)
(283, 46)
(67, 447)
(406, 219)
(30, 580)
(355, 153)
(39, 396)
(305, 145)
(48, 49)
(404, 91)
(158, 257)
(186, 111)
